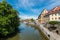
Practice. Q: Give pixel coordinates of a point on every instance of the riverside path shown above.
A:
(50, 35)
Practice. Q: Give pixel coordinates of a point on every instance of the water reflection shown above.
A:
(29, 33)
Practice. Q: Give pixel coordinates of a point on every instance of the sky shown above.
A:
(32, 8)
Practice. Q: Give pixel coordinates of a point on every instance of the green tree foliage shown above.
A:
(9, 20)
(32, 20)
(53, 22)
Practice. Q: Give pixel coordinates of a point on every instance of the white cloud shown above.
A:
(25, 3)
(27, 17)
(54, 4)
(35, 10)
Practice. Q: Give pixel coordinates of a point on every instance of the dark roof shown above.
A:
(54, 10)
(41, 13)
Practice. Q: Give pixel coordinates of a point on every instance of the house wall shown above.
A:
(46, 19)
(41, 19)
(55, 17)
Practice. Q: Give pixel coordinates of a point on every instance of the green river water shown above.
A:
(27, 33)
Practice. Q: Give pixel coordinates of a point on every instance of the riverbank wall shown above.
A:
(50, 35)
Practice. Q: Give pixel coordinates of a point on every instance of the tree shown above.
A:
(9, 20)
(53, 23)
(31, 19)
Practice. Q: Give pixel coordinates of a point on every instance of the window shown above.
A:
(59, 13)
(59, 17)
(52, 14)
(55, 18)
(55, 14)
(52, 18)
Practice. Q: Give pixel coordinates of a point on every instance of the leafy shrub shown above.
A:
(9, 20)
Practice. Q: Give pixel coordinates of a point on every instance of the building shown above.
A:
(55, 14)
(42, 16)
(52, 15)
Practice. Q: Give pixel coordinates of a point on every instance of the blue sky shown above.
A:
(32, 8)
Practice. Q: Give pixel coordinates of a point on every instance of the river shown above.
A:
(28, 33)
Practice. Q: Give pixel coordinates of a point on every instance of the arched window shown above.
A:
(59, 18)
(55, 14)
(55, 18)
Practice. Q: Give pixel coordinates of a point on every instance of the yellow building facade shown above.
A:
(42, 17)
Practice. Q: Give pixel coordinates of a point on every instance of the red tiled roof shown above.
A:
(54, 10)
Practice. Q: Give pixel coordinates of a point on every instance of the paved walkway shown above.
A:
(49, 34)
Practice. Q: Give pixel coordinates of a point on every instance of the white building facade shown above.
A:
(55, 17)
(54, 14)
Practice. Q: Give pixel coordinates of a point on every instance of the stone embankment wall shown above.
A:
(50, 35)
